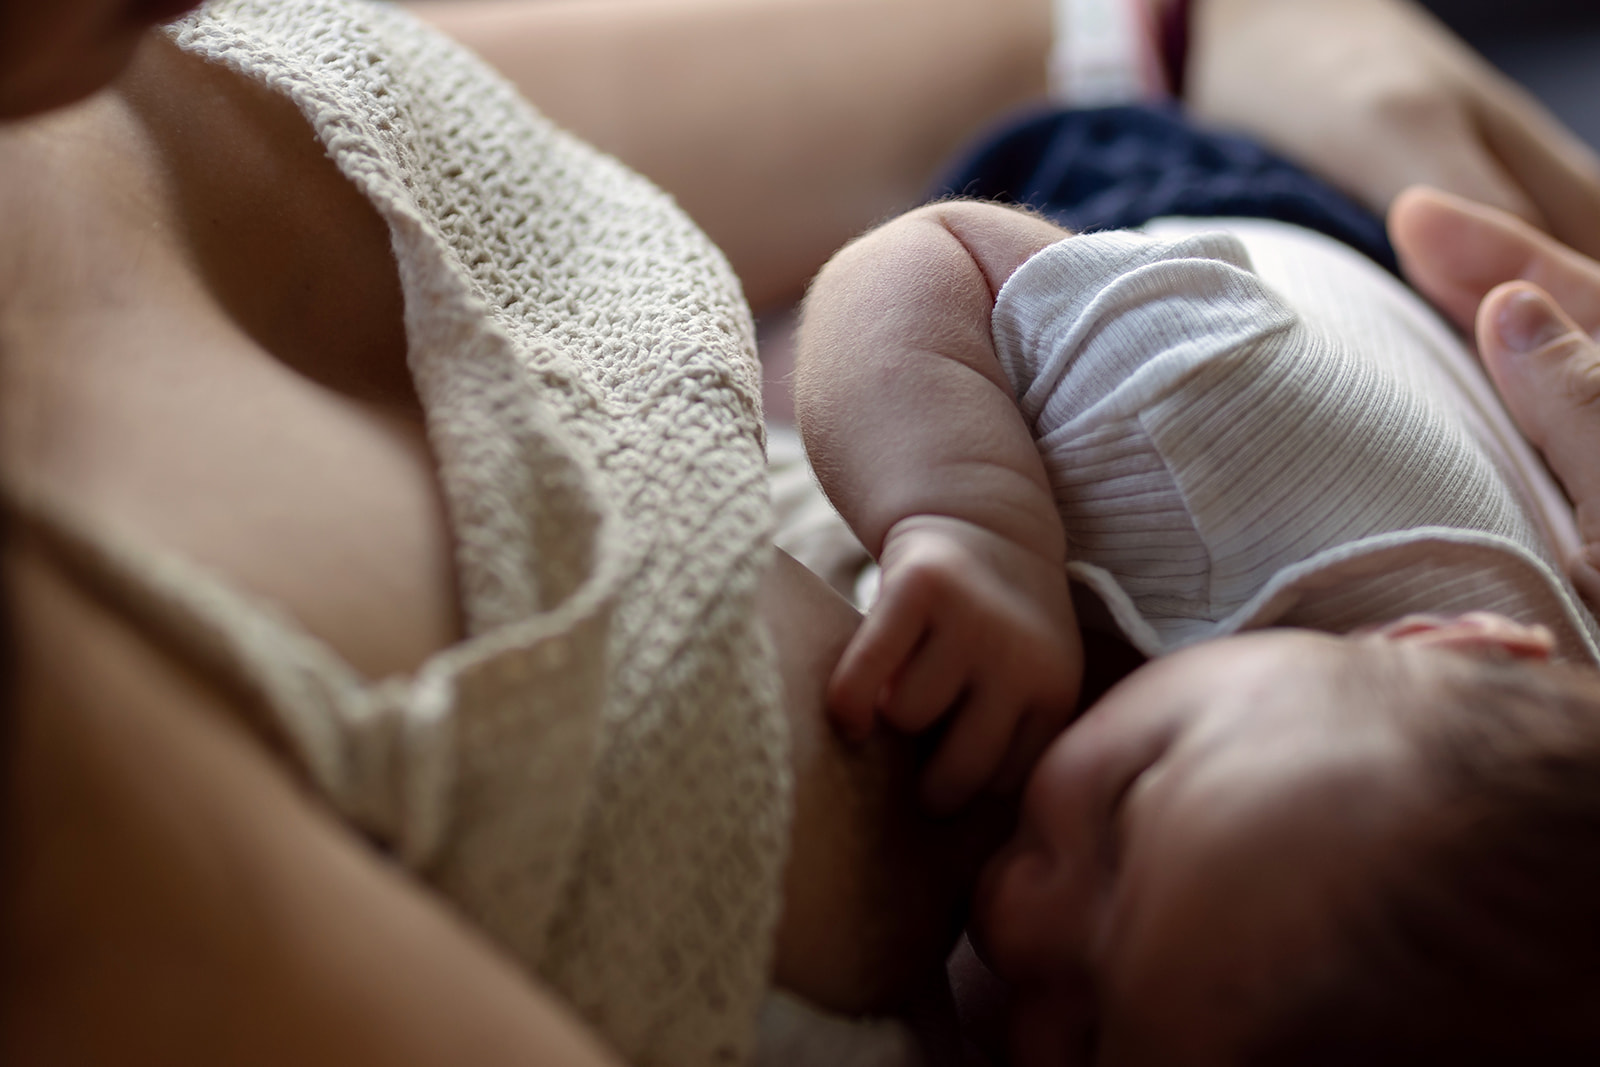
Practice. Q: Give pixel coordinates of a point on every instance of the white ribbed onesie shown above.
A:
(1295, 441)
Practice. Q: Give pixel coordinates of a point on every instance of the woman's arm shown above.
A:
(784, 127)
(1377, 95)
(171, 897)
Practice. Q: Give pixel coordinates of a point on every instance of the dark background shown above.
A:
(1551, 46)
(1473, 17)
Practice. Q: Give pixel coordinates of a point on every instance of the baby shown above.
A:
(1218, 859)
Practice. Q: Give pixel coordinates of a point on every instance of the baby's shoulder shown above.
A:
(1100, 326)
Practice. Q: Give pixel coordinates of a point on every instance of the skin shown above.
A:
(784, 127)
(974, 613)
(1373, 94)
(149, 234)
(1182, 850)
(166, 877)
(1184, 847)
(53, 54)
(1377, 95)
(1534, 306)
(163, 860)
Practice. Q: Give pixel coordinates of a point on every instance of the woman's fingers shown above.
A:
(1547, 369)
(1455, 251)
(1535, 307)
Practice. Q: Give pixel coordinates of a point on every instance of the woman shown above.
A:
(1532, 305)
(206, 333)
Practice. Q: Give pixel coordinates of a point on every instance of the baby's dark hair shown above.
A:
(1483, 945)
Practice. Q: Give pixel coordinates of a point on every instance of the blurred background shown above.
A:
(1550, 46)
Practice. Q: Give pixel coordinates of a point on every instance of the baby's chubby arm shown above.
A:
(911, 426)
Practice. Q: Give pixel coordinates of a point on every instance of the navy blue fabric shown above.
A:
(1110, 168)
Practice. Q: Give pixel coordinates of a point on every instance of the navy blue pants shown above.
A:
(1111, 168)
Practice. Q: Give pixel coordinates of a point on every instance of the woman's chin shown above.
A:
(68, 54)
(28, 100)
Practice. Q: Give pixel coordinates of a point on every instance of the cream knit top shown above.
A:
(597, 777)
(1259, 427)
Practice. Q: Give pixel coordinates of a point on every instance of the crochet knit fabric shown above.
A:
(598, 776)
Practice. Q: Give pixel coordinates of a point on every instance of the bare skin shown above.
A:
(260, 421)
(784, 127)
(1534, 307)
(194, 872)
(915, 435)
(167, 879)
(1182, 849)
(810, 120)
(1377, 95)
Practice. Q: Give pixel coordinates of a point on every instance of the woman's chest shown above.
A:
(217, 365)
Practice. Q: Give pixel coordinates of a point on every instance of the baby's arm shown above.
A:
(911, 426)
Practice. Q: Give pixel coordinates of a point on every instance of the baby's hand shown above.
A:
(969, 623)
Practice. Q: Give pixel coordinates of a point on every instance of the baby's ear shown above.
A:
(1482, 634)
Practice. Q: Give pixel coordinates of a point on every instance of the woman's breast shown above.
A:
(190, 439)
(875, 889)
(214, 361)
(183, 433)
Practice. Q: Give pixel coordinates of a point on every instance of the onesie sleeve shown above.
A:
(1082, 319)
(1093, 333)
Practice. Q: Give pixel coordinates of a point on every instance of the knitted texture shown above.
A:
(1225, 457)
(598, 776)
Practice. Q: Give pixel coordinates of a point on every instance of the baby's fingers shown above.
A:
(969, 754)
(1031, 737)
(932, 681)
(884, 641)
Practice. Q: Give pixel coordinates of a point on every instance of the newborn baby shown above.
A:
(996, 406)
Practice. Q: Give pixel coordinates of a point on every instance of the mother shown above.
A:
(369, 446)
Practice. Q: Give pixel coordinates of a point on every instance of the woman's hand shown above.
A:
(1376, 95)
(972, 632)
(1535, 307)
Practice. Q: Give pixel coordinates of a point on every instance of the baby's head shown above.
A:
(1291, 848)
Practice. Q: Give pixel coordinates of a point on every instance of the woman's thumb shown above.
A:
(1525, 320)
(1547, 370)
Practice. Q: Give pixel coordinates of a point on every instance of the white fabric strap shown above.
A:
(1104, 54)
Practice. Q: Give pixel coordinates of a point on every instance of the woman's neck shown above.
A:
(79, 213)
(186, 181)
